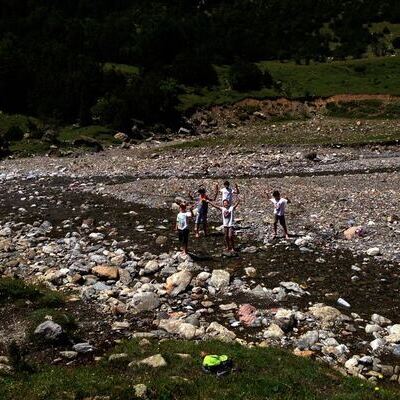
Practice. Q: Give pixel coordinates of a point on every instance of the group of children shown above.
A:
(227, 208)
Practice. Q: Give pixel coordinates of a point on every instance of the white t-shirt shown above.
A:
(182, 220)
(227, 194)
(279, 206)
(228, 216)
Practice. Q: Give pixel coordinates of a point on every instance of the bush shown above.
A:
(386, 31)
(14, 134)
(360, 69)
(193, 70)
(106, 110)
(396, 43)
(149, 97)
(64, 319)
(245, 76)
(268, 80)
(17, 359)
(16, 289)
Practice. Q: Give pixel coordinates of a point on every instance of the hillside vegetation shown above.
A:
(364, 76)
(58, 58)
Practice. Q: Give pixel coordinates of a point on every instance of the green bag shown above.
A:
(219, 365)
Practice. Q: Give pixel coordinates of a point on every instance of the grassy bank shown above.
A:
(262, 374)
(366, 109)
(333, 131)
(27, 135)
(365, 76)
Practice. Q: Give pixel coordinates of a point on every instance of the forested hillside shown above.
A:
(55, 56)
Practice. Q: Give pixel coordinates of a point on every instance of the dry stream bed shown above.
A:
(89, 226)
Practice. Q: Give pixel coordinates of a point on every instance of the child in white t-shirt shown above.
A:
(279, 212)
(227, 192)
(228, 221)
(182, 226)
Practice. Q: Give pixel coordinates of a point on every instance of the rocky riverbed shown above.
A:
(99, 228)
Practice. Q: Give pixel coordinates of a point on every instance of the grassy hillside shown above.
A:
(262, 373)
(365, 76)
(11, 126)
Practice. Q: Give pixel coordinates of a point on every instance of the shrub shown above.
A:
(360, 69)
(17, 358)
(245, 76)
(14, 134)
(193, 70)
(148, 97)
(106, 109)
(386, 31)
(51, 300)
(16, 289)
(64, 319)
(396, 43)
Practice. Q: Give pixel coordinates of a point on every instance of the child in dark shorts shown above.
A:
(279, 212)
(182, 226)
(202, 210)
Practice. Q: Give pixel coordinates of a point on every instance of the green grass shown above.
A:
(378, 27)
(366, 109)
(13, 290)
(365, 76)
(28, 147)
(123, 68)
(262, 374)
(256, 135)
(197, 98)
(16, 120)
(66, 136)
(377, 76)
(100, 133)
(64, 319)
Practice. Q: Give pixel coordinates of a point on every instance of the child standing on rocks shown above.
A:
(227, 192)
(202, 210)
(182, 226)
(279, 212)
(228, 221)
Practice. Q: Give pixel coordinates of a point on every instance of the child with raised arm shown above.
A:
(228, 221)
(279, 212)
(227, 192)
(202, 210)
(182, 226)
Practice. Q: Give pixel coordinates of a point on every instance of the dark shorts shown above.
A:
(280, 219)
(201, 217)
(183, 235)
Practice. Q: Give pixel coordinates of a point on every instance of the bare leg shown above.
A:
(227, 242)
(232, 239)
(283, 223)
(196, 230)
